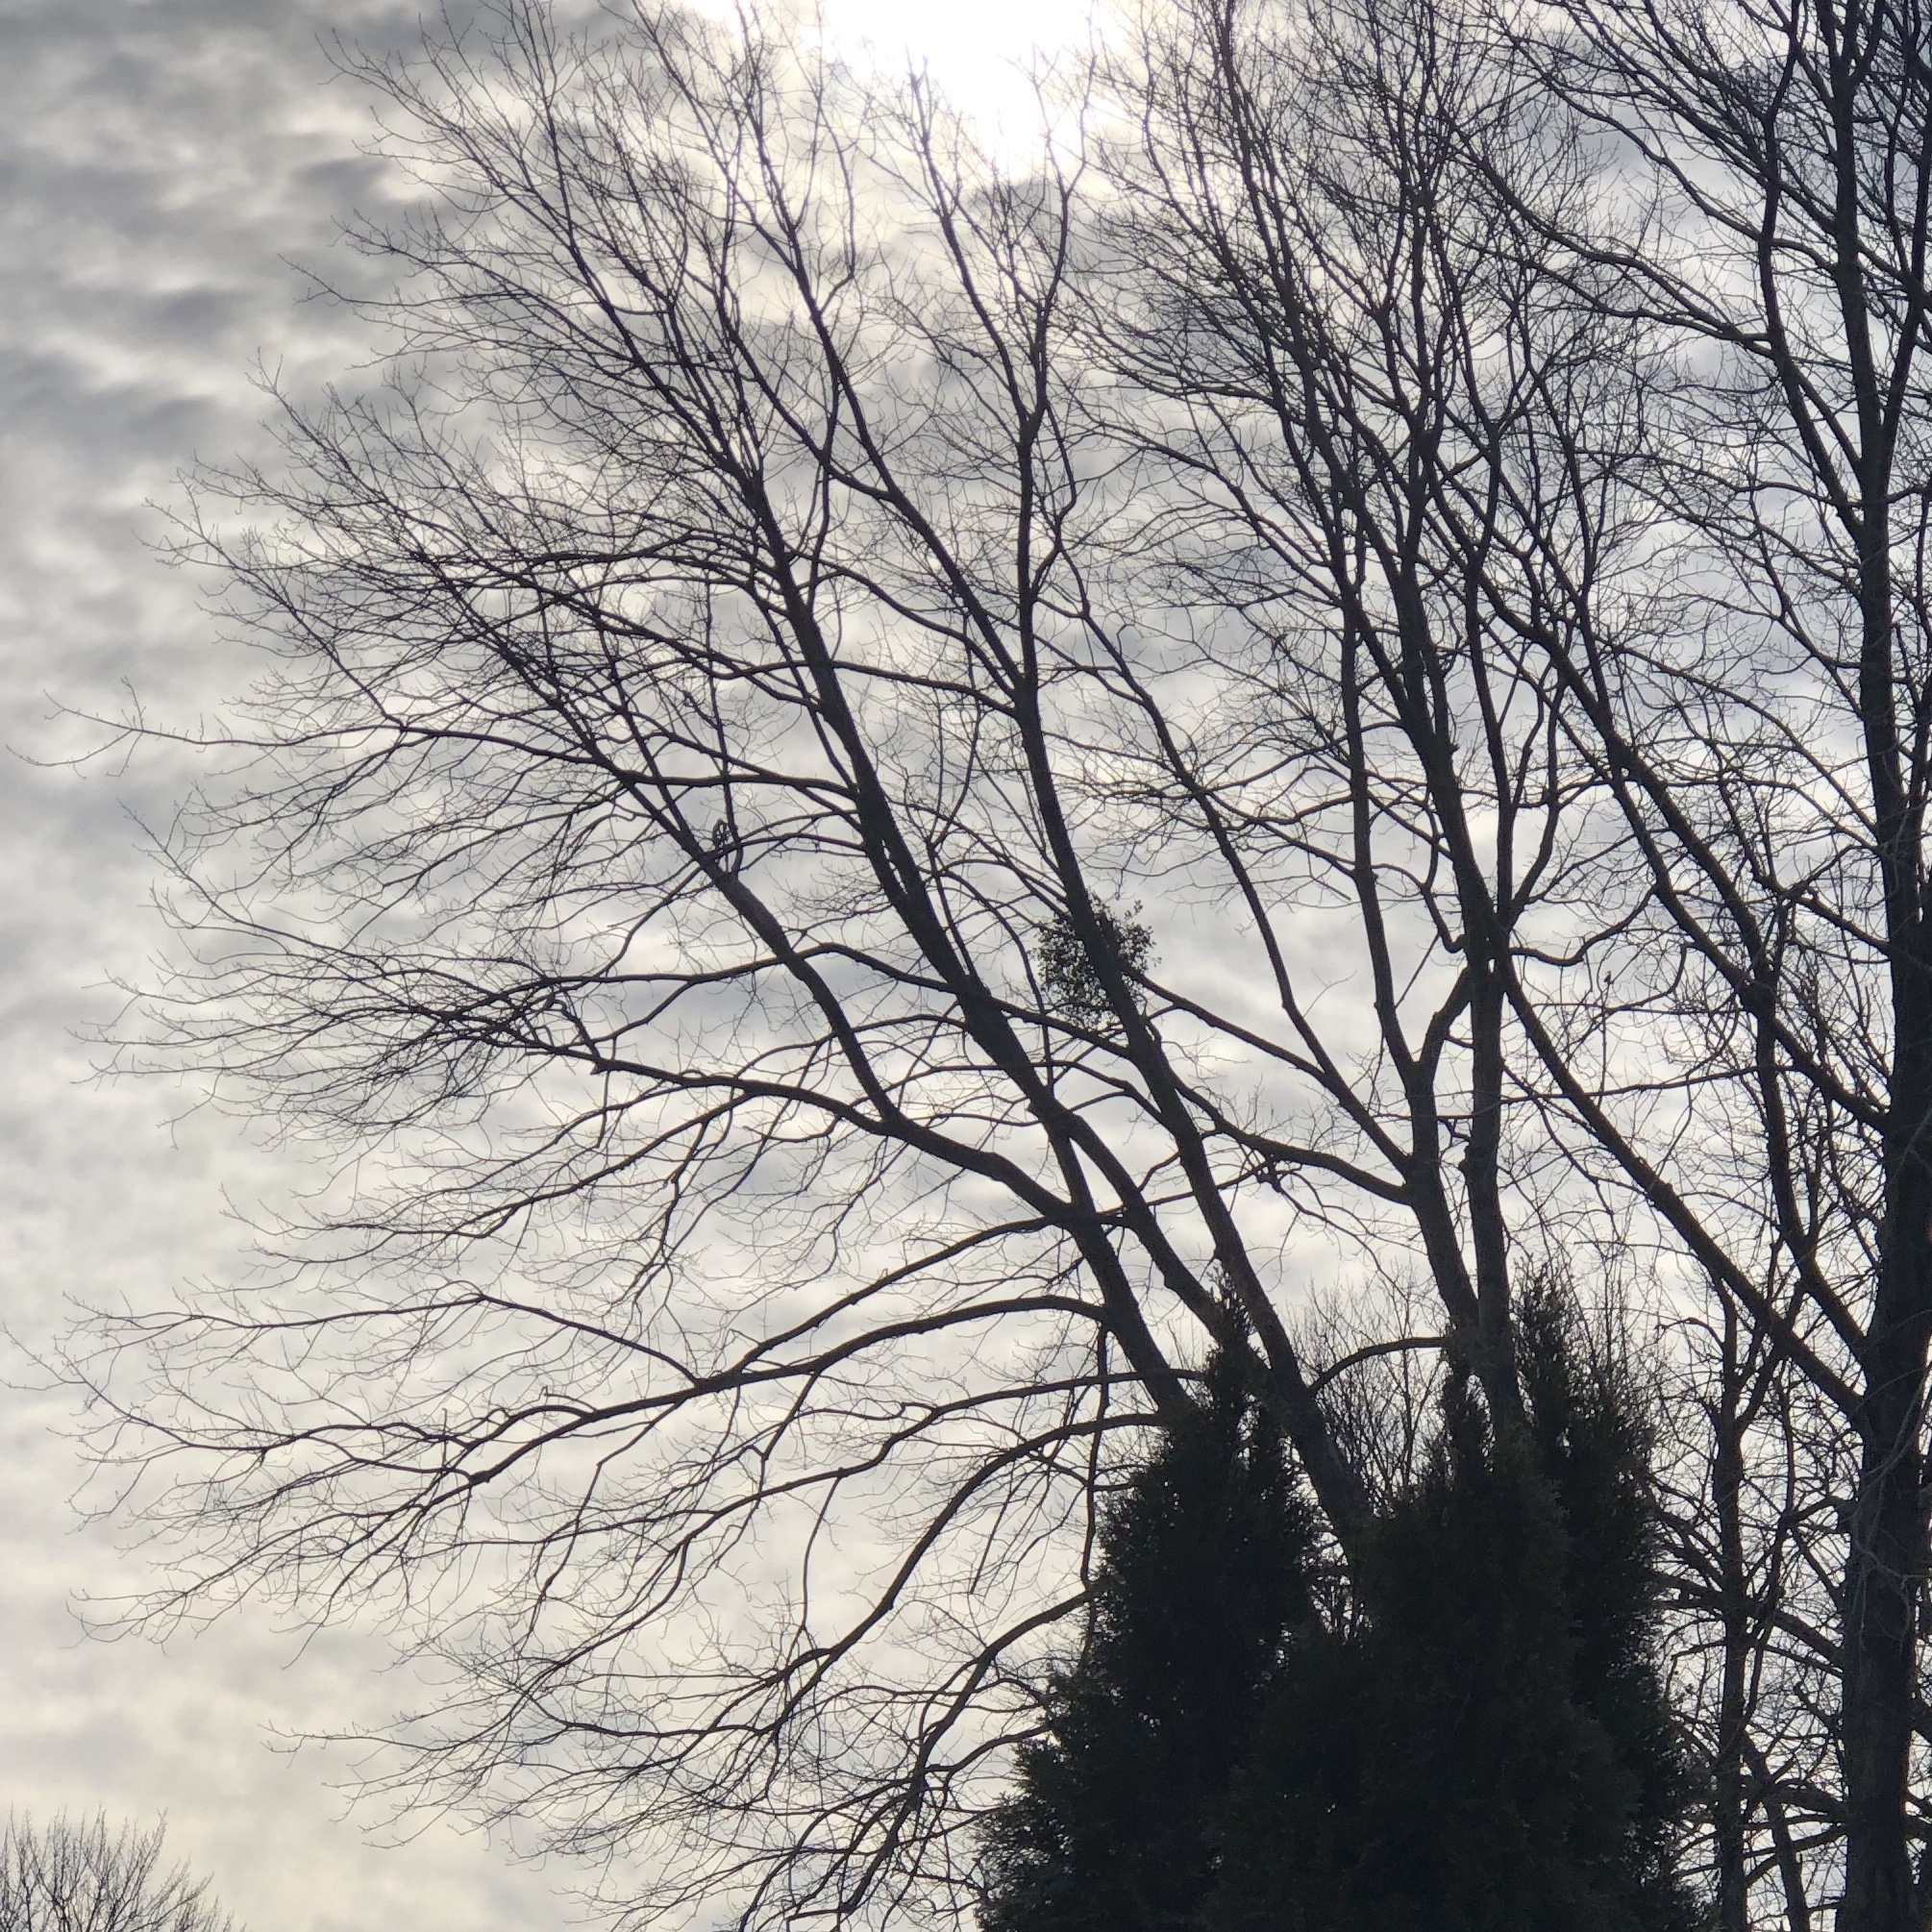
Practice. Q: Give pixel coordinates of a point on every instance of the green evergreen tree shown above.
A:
(1483, 1744)
(1591, 1439)
(1117, 1820)
(1487, 1746)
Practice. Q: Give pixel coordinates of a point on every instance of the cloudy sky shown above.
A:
(163, 162)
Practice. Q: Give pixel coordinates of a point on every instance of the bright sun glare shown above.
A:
(978, 52)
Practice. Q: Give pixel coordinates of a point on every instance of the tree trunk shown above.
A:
(1727, 1781)
(1881, 1583)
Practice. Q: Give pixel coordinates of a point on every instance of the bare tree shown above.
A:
(1753, 1462)
(1762, 213)
(1719, 495)
(892, 797)
(68, 1877)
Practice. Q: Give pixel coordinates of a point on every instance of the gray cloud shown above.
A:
(157, 160)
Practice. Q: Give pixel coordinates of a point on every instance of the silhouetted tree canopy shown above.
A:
(1474, 1738)
(87, 1876)
(1202, 1569)
(885, 780)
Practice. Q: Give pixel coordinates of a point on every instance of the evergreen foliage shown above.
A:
(1117, 1822)
(1476, 1752)
(1481, 1743)
(1590, 1437)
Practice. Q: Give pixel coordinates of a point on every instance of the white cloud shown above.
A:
(159, 159)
